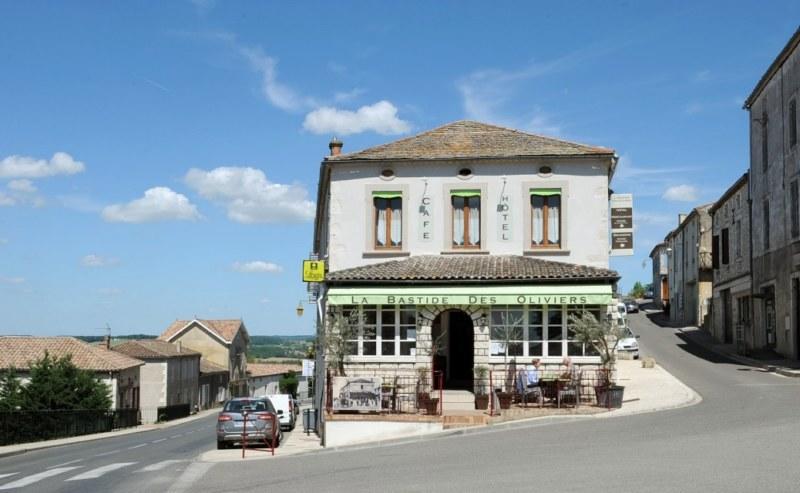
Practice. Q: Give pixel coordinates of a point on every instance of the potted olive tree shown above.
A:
(509, 330)
(481, 397)
(602, 335)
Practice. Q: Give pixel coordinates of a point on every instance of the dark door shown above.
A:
(461, 345)
(796, 305)
(727, 322)
(769, 316)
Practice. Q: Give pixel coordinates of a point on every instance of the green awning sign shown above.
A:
(545, 192)
(387, 195)
(590, 294)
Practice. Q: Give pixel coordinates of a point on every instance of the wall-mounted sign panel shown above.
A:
(621, 224)
(313, 270)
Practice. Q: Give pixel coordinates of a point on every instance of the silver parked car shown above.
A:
(261, 417)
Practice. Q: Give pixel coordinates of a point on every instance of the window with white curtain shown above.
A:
(388, 219)
(466, 218)
(546, 218)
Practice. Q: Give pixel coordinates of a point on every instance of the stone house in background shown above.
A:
(213, 384)
(221, 342)
(774, 177)
(660, 261)
(730, 217)
(690, 268)
(118, 371)
(168, 378)
(481, 237)
(264, 378)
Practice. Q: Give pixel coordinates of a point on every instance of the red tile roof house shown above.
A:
(222, 342)
(169, 377)
(264, 378)
(120, 372)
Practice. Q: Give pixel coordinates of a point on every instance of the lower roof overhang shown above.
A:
(517, 294)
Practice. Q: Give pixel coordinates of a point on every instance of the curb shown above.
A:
(61, 442)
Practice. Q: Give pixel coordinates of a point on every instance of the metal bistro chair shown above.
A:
(571, 390)
(525, 392)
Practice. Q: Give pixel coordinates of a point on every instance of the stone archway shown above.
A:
(458, 371)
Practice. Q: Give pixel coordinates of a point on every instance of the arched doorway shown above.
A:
(453, 333)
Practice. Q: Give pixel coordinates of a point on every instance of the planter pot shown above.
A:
(482, 401)
(609, 397)
(505, 399)
(431, 406)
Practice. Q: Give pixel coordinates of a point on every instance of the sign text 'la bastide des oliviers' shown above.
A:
(474, 300)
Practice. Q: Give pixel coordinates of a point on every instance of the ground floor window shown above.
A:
(538, 331)
(381, 330)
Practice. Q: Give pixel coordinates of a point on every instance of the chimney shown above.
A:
(107, 342)
(681, 218)
(335, 146)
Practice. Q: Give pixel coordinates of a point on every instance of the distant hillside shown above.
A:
(295, 347)
(91, 339)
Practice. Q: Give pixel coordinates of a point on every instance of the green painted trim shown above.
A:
(465, 193)
(545, 192)
(587, 294)
(387, 195)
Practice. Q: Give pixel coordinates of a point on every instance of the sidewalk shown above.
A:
(21, 448)
(295, 443)
(782, 366)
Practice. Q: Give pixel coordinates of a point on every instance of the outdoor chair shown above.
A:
(570, 390)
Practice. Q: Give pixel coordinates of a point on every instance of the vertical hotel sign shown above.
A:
(621, 224)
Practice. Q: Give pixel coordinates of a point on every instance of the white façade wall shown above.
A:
(584, 184)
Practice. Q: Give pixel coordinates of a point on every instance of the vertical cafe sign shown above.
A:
(425, 219)
(621, 224)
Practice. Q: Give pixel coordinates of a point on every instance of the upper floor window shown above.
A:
(792, 122)
(725, 247)
(766, 224)
(388, 219)
(794, 214)
(546, 218)
(466, 218)
(764, 143)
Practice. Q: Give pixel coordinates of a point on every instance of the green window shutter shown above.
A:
(465, 193)
(387, 195)
(545, 192)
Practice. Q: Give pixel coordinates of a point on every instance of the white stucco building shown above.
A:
(482, 238)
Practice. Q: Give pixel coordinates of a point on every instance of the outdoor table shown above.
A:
(551, 386)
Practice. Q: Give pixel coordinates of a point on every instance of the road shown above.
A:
(744, 436)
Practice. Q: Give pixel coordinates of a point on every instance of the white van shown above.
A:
(284, 405)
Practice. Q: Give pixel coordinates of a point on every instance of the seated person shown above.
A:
(532, 374)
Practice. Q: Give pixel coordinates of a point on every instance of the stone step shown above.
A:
(457, 396)
(464, 421)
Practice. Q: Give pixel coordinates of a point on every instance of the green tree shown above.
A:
(56, 383)
(10, 391)
(638, 290)
(289, 383)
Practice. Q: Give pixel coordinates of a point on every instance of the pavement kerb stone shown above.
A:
(9, 450)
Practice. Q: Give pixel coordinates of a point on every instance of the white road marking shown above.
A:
(190, 432)
(137, 446)
(160, 465)
(107, 453)
(175, 436)
(35, 478)
(99, 471)
(159, 440)
(7, 474)
(66, 463)
(190, 476)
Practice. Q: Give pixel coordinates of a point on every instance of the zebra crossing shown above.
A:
(68, 473)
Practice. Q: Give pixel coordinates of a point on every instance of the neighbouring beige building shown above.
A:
(730, 217)
(774, 183)
(118, 371)
(213, 384)
(264, 378)
(168, 378)
(690, 268)
(221, 342)
(659, 258)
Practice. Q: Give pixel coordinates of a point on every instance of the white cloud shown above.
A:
(257, 266)
(27, 167)
(681, 193)
(250, 197)
(626, 170)
(12, 280)
(93, 260)
(347, 96)
(380, 117)
(280, 95)
(7, 200)
(23, 186)
(157, 204)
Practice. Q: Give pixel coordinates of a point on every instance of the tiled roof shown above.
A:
(472, 268)
(225, 329)
(153, 349)
(209, 367)
(469, 139)
(20, 351)
(267, 369)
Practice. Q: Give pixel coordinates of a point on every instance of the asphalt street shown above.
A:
(743, 436)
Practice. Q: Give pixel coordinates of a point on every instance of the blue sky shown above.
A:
(158, 160)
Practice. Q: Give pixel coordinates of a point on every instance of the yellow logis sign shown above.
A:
(313, 270)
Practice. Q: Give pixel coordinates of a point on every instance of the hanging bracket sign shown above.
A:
(313, 270)
(621, 224)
